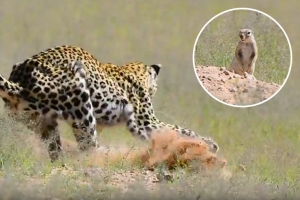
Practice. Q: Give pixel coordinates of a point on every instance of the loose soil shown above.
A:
(234, 89)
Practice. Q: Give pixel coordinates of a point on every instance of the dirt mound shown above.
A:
(234, 89)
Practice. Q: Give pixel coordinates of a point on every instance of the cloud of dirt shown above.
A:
(165, 147)
(176, 150)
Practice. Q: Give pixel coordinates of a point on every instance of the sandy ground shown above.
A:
(232, 88)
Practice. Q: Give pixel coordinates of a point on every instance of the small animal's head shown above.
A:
(246, 35)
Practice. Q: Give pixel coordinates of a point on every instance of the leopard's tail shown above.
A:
(9, 91)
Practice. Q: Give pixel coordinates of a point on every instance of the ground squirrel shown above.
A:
(245, 54)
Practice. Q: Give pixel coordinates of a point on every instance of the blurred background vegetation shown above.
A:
(217, 42)
(264, 138)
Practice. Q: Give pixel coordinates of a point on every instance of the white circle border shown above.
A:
(291, 58)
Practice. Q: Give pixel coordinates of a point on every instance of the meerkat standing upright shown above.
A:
(245, 54)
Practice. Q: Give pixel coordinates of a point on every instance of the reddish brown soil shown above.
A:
(234, 89)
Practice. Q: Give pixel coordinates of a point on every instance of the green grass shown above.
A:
(264, 138)
(217, 42)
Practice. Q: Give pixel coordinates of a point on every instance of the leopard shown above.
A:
(145, 86)
(45, 83)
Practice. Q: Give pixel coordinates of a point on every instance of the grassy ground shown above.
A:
(264, 138)
(217, 42)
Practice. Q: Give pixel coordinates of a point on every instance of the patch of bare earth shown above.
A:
(234, 89)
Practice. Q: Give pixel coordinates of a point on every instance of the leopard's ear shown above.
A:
(156, 68)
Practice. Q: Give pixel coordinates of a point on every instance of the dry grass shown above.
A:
(265, 139)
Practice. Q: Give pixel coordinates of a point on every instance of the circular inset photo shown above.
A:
(242, 57)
